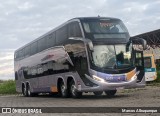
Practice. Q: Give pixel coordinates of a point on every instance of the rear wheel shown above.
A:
(29, 93)
(73, 90)
(24, 90)
(98, 93)
(63, 90)
(111, 93)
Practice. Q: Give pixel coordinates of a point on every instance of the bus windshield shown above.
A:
(105, 28)
(111, 56)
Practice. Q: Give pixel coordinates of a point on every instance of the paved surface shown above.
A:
(145, 97)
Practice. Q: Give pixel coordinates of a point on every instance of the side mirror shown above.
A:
(144, 44)
(85, 40)
(128, 45)
(141, 41)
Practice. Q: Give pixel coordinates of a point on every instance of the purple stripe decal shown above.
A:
(112, 78)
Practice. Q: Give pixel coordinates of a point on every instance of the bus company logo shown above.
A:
(47, 57)
(6, 110)
(109, 78)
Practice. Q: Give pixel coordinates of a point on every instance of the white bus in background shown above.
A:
(150, 67)
(87, 54)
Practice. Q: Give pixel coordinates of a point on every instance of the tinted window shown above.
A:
(51, 40)
(34, 48)
(42, 44)
(27, 51)
(74, 30)
(21, 53)
(61, 35)
(147, 62)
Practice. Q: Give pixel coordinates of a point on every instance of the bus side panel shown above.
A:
(38, 70)
(43, 69)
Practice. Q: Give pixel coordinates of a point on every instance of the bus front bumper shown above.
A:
(104, 86)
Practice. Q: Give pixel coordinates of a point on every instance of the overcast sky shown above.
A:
(21, 21)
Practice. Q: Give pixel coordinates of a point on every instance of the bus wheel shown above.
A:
(63, 90)
(98, 93)
(29, 93)
(24, 91)
(73, 90)
(111, 93)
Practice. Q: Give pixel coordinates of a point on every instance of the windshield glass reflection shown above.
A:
(111, 56)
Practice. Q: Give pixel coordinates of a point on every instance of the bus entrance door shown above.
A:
(140, 67)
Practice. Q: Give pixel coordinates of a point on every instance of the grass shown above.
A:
(8, 87)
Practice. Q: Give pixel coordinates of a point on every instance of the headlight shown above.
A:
(98, 78)
(134, 77)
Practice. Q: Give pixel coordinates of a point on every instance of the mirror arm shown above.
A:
(141, 40)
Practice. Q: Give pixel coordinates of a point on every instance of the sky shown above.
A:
(21, 21)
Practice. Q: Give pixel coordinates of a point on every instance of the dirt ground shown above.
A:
(142, 97)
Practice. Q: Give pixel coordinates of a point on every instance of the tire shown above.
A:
(24, 91)
(29, 93)
(63, 90)
(98, 93)
(110, 93)
(73, 91)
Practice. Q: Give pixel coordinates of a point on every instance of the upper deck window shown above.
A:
(61, 35)
(74, 30)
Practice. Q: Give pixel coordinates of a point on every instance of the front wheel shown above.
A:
(29, 93)
(111, 93)
(73, 90)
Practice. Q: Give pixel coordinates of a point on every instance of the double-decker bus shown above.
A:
(150, 67)
(86, 54)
